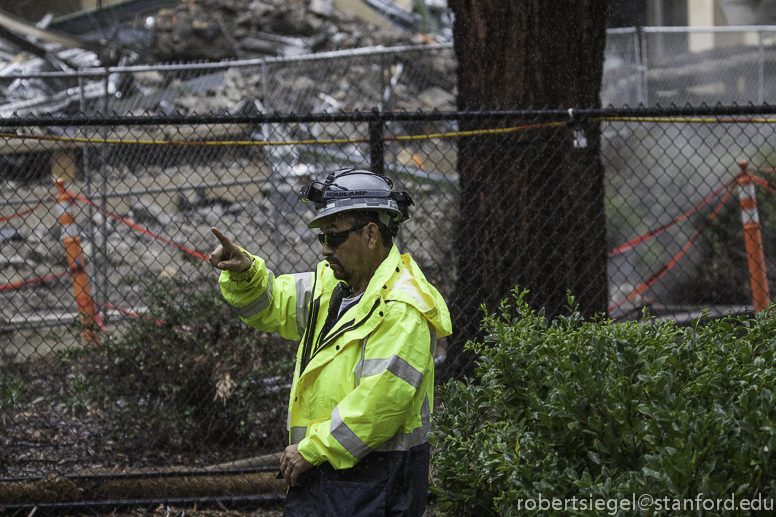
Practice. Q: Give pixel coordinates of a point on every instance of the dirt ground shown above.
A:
(40, 438)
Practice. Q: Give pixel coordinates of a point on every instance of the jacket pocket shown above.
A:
(313, 425)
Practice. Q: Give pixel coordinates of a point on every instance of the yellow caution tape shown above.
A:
(122, 141)
(341, 141)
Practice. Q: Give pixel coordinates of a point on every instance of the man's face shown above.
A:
(347, 259)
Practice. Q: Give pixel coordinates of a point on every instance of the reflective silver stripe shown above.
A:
(347, 438)
(397, 366)
(746, 191)
(304, 291)
(260, 303)
(750, 215)
(406, 441)
(296, 434)
(418, 436)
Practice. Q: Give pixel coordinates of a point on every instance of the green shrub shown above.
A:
(597, 410)
(188, 375)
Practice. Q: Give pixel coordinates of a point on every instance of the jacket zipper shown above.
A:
(327, 326)
(344, 329)
(315, 304)
(321, 337)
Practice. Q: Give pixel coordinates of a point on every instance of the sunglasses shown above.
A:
(335, 239)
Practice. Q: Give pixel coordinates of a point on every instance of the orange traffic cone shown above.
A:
(754, 239)
(75, 261)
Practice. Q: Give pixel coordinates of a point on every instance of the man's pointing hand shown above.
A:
(227, 256)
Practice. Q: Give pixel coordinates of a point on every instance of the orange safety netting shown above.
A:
(22, 283)
(654, 278)
(140, 229)
(25, 212)
(654, 233)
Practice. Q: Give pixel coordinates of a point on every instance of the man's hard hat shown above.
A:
(357, 189)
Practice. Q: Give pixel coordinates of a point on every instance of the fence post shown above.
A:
(376, 144)
(754, 239)
(637, 37)
(761, 71)
(264, 91)
(644, 68)
(102, 272)
(385, 82)
(85, 155)
(75, 262)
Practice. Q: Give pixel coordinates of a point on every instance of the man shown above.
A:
(367, 319)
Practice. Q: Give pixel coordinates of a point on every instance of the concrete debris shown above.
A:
(148, 212)
(437, 98)
(223, 29)
(10, 234)
(35, 32)
(208, 30)
(13, 261)
(322, 7)
(202, 200)
(401, 17)
(21, 54)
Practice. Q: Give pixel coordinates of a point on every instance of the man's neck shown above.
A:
(360, 285)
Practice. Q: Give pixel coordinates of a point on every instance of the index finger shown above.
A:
(223, 239)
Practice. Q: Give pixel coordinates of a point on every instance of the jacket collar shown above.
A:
(385, 275)
(361, 319)
(397, 278)
(379, 285)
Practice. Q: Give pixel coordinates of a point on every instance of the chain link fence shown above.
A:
(708, 65)
(386, 78)
(126, 378)
(649, 66)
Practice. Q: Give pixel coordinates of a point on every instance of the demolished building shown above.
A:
(38, 63)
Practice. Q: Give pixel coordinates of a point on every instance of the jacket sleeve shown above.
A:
(393, 378)
(266, 302)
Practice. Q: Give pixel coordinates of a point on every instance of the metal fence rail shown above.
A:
(648, 65)
(174, 382)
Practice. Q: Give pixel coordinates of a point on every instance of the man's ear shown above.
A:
(374, 235)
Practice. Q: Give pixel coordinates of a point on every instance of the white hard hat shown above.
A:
(357, 189)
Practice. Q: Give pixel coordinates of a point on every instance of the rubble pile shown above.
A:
(421, 80)
(224, 29)
(24, 95)
(215, 30)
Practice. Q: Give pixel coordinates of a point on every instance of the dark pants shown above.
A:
(382, 484)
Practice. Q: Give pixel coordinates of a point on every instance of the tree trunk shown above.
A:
(532, 208)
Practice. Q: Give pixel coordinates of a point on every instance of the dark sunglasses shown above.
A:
(333, 240)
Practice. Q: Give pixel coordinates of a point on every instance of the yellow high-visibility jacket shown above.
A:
(369, 382)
